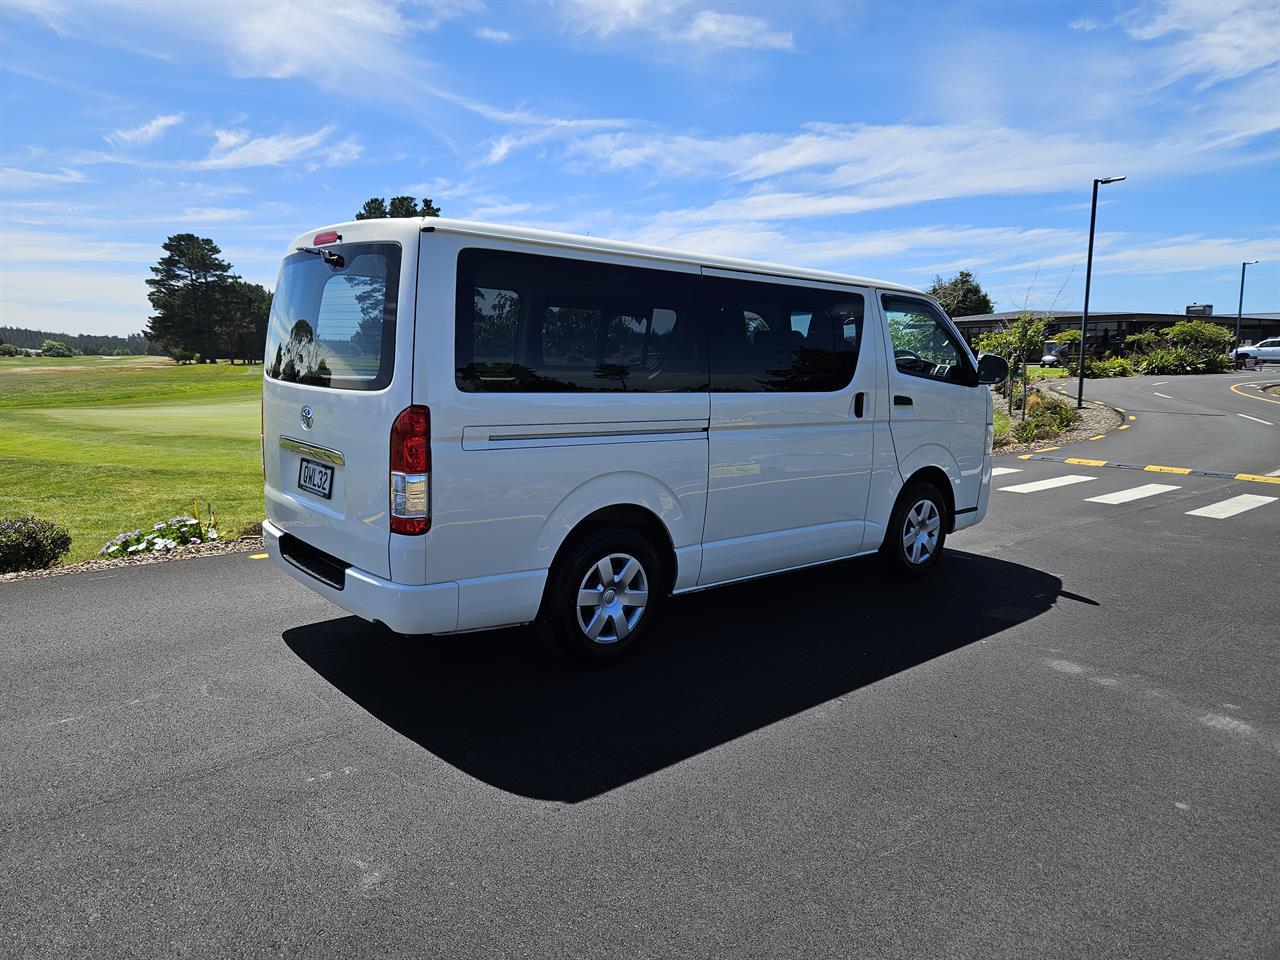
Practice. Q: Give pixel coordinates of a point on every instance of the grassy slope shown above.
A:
(108, 445)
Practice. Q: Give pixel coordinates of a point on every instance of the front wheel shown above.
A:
(605, 594)
(917, 531)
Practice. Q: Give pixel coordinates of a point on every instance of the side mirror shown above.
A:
(992, 369)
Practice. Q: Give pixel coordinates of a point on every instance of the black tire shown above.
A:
(909, 515)
(579, 571)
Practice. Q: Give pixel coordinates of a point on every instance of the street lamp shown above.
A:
(1240, 306)
(1088, 277)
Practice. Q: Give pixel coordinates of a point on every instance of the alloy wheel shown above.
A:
(612, 598)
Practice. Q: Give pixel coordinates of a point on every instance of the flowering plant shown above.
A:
(164, 536)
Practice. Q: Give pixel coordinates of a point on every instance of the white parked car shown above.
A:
(468, 426)
(1268, 351)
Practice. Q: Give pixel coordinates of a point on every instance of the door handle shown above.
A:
(900, 401)
(857, 404)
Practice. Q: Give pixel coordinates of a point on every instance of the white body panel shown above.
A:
(789, 472)
(743, 484)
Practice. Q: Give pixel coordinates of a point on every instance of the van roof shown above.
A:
(552, 238)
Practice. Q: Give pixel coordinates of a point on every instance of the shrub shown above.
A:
(30, 544)
(1047, 416)
(55, 348)
(1172, 361)
(1138, 343)
(162, 537)
(1026, 431)
(1199, 336)
(1058, 412)
(9, 350)
(1101, 369)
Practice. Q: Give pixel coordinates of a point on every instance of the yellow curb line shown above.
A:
(1257, 479)
(1249, 395)
(1098, 437)
(1132, 417)
(1086, 463)
(1156, 468)
(1123, 426)
(258, 556)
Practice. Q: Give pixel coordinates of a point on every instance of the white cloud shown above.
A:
(12, 178)
(153, 129)
(827, 170)
(729, 30)
(211, 214)
(496, 36)
(239, 148)
(1084, 24)
(1187, 253)
(1216, 41)
(499, 211)
(671, 21)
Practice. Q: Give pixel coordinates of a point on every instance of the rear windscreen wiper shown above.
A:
(328, 256)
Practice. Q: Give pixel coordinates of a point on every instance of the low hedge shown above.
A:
(28, 543)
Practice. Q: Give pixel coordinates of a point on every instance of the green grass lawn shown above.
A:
(1037, 372)
(113, 444)
(1002, 422)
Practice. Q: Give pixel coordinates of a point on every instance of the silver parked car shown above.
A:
(1268, 351)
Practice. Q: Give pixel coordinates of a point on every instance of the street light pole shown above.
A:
(1240, 305)
(1088, 278)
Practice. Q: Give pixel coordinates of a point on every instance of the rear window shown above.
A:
(335, 326)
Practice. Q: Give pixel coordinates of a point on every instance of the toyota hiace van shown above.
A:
(468, 426)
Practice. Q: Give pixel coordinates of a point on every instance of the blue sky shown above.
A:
(887, 140)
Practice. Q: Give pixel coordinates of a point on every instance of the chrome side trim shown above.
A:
(311, 450)
(603, 435)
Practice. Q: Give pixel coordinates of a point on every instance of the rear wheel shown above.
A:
(917, 531)
(605, 594)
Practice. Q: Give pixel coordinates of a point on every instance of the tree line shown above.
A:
(85, 344)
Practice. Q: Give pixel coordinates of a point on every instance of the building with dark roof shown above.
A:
(1110, 327)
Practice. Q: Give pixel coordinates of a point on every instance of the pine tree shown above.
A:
(189, 295)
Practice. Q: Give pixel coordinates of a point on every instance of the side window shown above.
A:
(769, 337)
(922, 344)
(528, 323)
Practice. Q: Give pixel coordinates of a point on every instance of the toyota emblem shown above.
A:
(308, 418)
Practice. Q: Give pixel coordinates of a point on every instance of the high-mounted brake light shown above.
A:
(329, 236)
(411, 471)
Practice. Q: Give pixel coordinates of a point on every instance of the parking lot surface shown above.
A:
(1066, 743)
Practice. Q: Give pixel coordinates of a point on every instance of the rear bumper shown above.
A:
(404, 608)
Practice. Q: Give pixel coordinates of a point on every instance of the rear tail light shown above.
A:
(411, 471)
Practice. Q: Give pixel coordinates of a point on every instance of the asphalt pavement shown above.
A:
(1066, 743)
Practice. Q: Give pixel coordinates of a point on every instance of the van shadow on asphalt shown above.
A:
(502, 707)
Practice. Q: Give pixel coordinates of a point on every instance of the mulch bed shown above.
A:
(1096, 418)
(238, 545)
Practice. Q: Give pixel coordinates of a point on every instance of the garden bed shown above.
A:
(1096, 418)
(244, 544)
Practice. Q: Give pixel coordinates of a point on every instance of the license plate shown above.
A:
(315, 478)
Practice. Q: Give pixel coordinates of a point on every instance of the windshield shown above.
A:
(333, 324)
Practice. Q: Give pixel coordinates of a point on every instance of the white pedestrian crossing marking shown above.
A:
(1134, 493)
(1229, 508)
(1001, 471)
(1037, 485)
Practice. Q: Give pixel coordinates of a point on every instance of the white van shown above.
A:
(468, 426)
